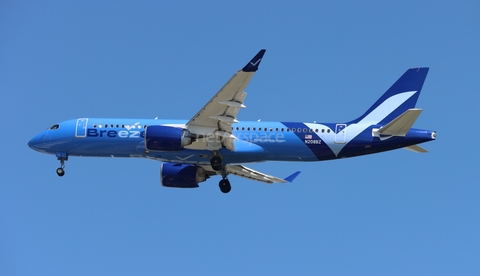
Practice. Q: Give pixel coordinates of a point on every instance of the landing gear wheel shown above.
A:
(216, 163)
(60, 171)
(62, 157)
(225, 186)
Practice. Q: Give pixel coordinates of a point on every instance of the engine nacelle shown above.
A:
(166, 138)
(181, 175)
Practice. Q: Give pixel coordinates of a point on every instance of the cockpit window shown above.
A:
(54, 127)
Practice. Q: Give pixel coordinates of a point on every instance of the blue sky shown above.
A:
(395, 213)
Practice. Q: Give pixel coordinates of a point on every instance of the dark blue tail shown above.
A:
(402, 96)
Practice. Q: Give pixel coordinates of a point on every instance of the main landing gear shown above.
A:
(225, 186)
(217, 165)
(60, 170)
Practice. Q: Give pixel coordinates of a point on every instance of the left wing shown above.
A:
(214, 121)
(243, 171)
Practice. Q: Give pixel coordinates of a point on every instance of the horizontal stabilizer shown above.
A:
(416, 148)
(402, 124)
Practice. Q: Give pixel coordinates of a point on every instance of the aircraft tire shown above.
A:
(60, 172)
(216, 163)
(225, 186)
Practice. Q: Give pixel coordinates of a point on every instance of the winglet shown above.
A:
(252, 66)
(292, 177)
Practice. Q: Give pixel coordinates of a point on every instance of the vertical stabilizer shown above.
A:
(400, 97)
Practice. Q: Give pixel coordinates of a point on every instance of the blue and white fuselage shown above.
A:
(213, 142)
(257, 141)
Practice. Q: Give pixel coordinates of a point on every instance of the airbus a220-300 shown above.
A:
(213, 142)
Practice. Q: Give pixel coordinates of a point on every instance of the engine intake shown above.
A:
(181, 175)
(166, 138)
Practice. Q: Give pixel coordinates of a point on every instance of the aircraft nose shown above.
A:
(36, 141)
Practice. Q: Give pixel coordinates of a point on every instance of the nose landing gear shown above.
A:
(62, 157)
(60, 171)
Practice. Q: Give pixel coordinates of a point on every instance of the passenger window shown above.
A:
(304, 130)
(293, 129)
(316, 130)
(99, 126)
(253, 129)
(328, 130)
(323, 130)
(282, 129)
(94, 125)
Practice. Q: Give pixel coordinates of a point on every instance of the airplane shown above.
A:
(213, 142)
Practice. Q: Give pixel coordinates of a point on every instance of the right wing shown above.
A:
(215, 119)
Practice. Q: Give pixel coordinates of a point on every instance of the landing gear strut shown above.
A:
(217, 165)
(224, 184)
(62, 158)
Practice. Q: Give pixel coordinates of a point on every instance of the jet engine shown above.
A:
(166, 138)
(181, 175)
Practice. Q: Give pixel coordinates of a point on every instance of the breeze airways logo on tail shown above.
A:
(93, 132)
